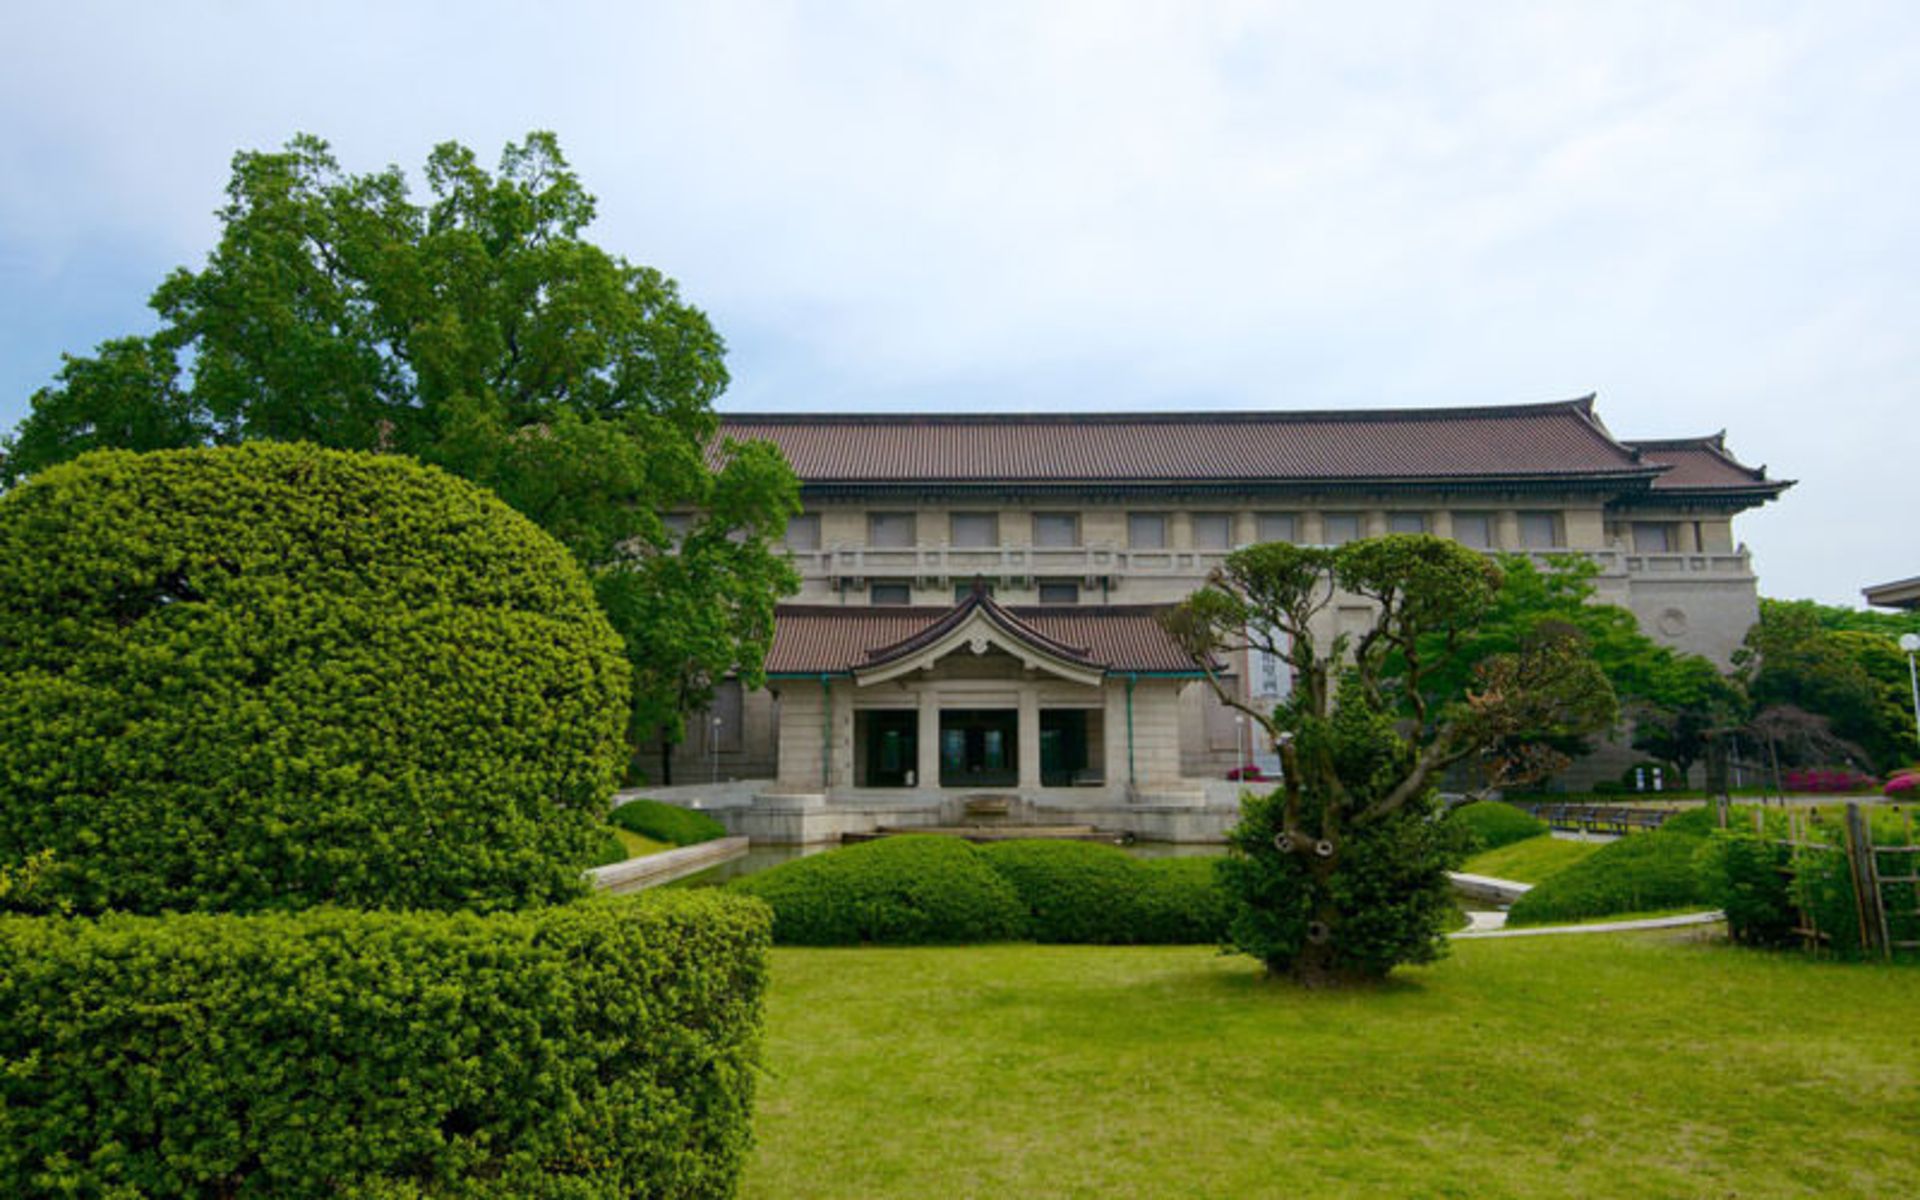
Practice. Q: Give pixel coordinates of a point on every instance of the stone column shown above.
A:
(927, 740)
(1115, 720)
(1506, 529)
(840, 745)
(1028, 748)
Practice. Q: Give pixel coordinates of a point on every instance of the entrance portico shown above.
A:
(1068, 709)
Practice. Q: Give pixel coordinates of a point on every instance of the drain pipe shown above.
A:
(1133, 677)
(826, 732)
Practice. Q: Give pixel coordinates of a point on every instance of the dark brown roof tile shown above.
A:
(810, 639)
(1563, 439)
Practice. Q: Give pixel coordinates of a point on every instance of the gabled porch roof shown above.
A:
(1082, 642)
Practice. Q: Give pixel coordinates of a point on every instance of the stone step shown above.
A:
(993, 833)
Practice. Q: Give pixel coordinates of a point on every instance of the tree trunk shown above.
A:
(666, 759)
(1316, 964)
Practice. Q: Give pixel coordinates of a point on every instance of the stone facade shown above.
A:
(1546, 480)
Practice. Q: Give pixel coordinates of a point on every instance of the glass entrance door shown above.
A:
(979, 747)
(886, 738)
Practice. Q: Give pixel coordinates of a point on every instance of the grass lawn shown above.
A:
(638, 844)
(1531, 860)
(1657, 1064)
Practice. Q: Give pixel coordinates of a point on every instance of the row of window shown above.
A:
(1150, 530)
(899, 591)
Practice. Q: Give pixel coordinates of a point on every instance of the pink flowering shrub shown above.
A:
(1830, 780)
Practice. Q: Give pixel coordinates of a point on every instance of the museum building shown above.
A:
(977, 627)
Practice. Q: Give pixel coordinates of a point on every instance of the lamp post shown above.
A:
(713, 751)
(1910, 642)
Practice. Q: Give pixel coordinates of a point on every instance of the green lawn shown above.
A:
(1531, 860)
(1653, 1064)
(638, 844)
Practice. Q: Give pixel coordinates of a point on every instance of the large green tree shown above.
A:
(479, 330)
(1839, 665)
(1677, 702)
(1340, 873)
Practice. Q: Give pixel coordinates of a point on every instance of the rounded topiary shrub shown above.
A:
(1495, 824)
(1084, 892)
(275, 676)
(1639, 873)
(1700, 820)
(1185, 902)
(1072, 891)
(667, 823)
(904, 890)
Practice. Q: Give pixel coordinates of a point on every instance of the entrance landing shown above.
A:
(995, 833)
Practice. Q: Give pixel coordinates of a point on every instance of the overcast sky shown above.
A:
(1703, 212)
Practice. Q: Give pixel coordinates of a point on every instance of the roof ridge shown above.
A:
(1582, 405)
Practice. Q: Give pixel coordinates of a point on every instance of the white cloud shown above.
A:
(1699, 210)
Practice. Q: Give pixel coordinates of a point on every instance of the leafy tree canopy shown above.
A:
(1677, 701)
(478, 330)
(1341, 873)
(1832, 663)
(1858, 620)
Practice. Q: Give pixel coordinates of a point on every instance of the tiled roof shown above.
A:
(813, 639)
(1703, 464)
(1000, 615)
(1537, 441)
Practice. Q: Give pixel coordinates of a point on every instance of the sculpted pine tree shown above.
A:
(1341, 872)
(480, 331)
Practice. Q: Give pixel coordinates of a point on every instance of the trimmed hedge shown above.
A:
(903, 890)
(1639, 873)
(1185, 903)
(667, 822)
(932, 888)
(1084, 892)
(598, 1049)
(1495, 824)
(274, 676)
(608, 849)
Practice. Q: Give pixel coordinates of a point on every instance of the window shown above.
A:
(1652, 537)
(1059, 593)
(1539, 530)
(1147, 531)
(1406, 522)
(1473, 530)
(890, 531)
(1213, 531)
(1342, 528)
(1056, 529)
(803, 532)
(962, 590)
(975, 530)
(892, 592)
(1275, 527)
